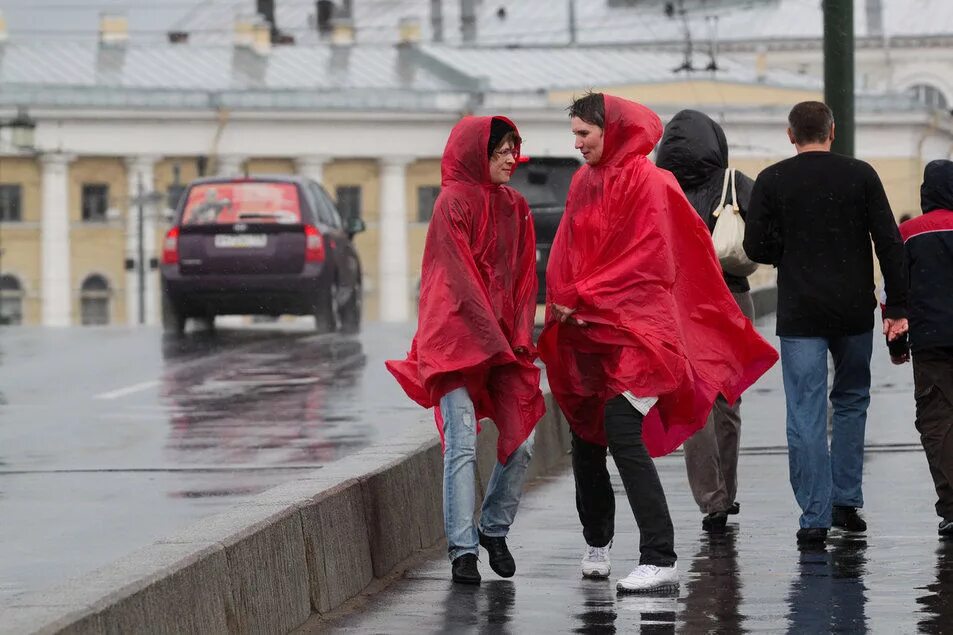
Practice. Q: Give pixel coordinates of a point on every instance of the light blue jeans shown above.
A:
(820, 477)
(459, 479)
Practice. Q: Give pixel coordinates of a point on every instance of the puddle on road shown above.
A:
(267, 407)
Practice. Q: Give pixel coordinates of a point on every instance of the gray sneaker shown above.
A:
(595, 562)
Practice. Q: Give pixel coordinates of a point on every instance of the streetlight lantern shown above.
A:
(23, 130)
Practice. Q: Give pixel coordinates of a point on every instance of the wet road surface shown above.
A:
(112, 438)
(897, 579)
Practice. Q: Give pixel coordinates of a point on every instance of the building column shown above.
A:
(393, 280)
(230, 165)
(56, 286)
(312, 166)
(141, 167)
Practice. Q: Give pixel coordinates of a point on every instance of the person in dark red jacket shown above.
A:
(641, 331)
(473, 354)
(928, 250)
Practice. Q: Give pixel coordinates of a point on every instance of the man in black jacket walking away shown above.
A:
(928, 245)
(813, 216)
(695, 150)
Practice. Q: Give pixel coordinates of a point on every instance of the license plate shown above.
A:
(241, 240)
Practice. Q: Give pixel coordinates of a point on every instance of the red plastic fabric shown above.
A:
(477, 296)
(637, 263)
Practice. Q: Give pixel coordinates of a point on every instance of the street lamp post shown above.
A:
(23, 130)
(142, 199)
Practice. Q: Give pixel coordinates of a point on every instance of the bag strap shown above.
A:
(734, 189)
(724, 191)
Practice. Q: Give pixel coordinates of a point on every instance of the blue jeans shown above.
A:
(820, 477)
(459, 479)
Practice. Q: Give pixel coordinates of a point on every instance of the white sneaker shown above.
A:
(595, 562)
(647, 577)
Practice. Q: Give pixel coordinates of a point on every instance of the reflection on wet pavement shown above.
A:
(828, 593)
(937, 599)
(713, 591)
(112, 438)
(753, 578)
(264, 407)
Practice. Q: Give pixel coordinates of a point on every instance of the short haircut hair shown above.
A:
(509, 137)
(591, 108)
(811, 122)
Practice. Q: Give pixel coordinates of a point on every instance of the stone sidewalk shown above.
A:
(898, 579)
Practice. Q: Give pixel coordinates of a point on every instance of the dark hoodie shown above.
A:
(928, 250)
(695, 150)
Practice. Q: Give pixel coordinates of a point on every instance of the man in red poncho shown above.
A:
(641, 332)
(473, 354)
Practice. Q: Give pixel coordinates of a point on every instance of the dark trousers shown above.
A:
(595, 500)
(933, 389)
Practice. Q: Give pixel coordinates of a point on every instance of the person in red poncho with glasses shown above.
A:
(641, 332)
(473, 354)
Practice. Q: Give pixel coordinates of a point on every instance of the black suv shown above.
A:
(544, 182)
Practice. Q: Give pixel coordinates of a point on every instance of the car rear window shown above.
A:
(247, 202)
(544, 182)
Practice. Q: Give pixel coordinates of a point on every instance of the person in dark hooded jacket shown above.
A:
(928, 251)
(694, 149)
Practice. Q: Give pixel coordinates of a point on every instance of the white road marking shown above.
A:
(128, 390)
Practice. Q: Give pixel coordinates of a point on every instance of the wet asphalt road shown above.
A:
(111, 438)
(897, 579)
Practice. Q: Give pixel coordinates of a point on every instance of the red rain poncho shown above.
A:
(637, 263)
(477, 296)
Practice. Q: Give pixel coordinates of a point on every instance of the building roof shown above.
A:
(521, 22)
(320, 76)
(212, 68)
(507, 69)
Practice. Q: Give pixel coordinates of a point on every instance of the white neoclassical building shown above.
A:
(123, 123)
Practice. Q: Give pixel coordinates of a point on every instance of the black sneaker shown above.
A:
(715, 522)
(811, 536)
(501, 560)
(465, 570)
(848, 519)
(946, 528)
(734, 509)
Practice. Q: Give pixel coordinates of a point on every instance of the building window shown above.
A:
(11, 300)
(95, 202)
(349, 201)
(10, 202)
(929, 96)
(94, 298)
(426, 197)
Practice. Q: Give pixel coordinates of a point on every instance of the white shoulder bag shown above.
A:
(729, 233)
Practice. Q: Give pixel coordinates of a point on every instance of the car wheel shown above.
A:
(326, 311)
(351, 309)
(173, 322)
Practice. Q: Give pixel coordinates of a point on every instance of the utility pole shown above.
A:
(839, 71)
(572, 22)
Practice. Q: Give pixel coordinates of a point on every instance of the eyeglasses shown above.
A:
(514, 152)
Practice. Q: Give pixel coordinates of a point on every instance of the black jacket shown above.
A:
(928, 247)
(695, 150)
(814, 215)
